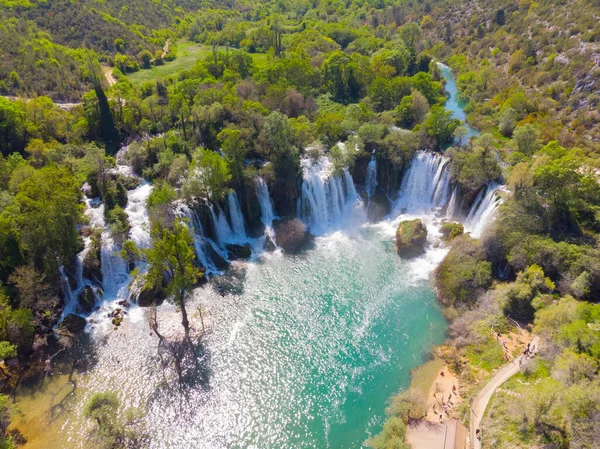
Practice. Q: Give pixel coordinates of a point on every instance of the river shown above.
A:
(300, 351)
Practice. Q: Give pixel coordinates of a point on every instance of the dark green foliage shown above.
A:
(474, 167)
(464, 274)
(440, 125)
(12, 127)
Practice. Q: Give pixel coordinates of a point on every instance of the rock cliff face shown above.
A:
(251, 208)
(378, 206)
(411, 237)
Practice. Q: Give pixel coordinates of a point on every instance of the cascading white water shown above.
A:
(451, 210)
(426, 184)
(326, 200)
(224, 231)
(137, 213)
(266, 205)
(220, 225)
(351, 195)
(200, 241)
(371, 177)
(483, 209)
(236, 217)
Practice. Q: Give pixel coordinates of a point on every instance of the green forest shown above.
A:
(206, 96)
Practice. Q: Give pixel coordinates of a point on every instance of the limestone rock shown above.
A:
(239, 251)
(291, 234)
(73, 324)
(411, 236)
(86, 299)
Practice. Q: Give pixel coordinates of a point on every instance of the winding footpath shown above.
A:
(481, 401)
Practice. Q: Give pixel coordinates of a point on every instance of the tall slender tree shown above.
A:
(171, 258)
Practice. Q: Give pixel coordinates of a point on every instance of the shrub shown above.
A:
(464, 274)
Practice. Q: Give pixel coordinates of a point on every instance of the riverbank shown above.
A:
(465, 373)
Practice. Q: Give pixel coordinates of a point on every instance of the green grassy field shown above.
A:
(187, 55)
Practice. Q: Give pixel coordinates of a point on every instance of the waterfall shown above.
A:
(267, 215)
(200, 241)
(221, 226)
(371, 178)
(325, 200)
(70, 297)
(351, 195)
(451, 211)
(137, 213)
(266, 205)
(483, 209)
(426, 184)
(236, 217)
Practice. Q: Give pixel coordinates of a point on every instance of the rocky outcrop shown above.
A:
(239, 251)
(73, 324)
(291, 234)
(411, 236)
(151, 296)
(92, 263)
(86, 299)
(251, 207)
(378, 206)
(451, 230)
(269, 245)
(217, 259)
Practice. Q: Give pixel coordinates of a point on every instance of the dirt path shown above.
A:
(108, 74)
(165, 49)
(481, 401)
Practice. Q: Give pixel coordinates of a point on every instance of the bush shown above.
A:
(464, 274)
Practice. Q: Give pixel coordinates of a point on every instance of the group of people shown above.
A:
(527, 353)
(447, 404)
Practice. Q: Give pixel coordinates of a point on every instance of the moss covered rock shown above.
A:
(87, 299)
(73, 324)
(451, 230)
(411, 236)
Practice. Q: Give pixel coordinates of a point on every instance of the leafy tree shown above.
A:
(12, 127)
(234, 148)
(47, 212)
(171, 259)
(474, 168)
(507, 121)
(412, 109)
(440, 125)
(110, 432)
(463, 274)
(499, 18)
(145, 58)
(208, 176)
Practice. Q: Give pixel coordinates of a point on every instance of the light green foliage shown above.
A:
(526, 139)
(528, 285)
(48, 211)
(412, 109)
(111, 431)
(207, 176)
(234, 148)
